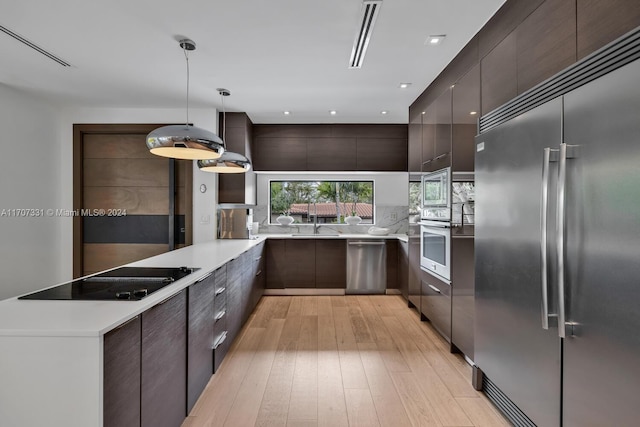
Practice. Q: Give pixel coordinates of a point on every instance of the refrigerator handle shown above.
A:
(544, 204)
(560, 224)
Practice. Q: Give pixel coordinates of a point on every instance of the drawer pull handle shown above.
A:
(127, 322)
(220, 315)
(435, 289)
(221, 290)
(259, 273)
(220, 340)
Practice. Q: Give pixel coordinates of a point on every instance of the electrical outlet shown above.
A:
(393, 216)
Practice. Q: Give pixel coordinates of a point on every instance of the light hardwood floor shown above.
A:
(341, 361)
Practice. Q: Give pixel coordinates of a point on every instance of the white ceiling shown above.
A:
(273, 55)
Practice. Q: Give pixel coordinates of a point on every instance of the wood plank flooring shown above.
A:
(341, 361)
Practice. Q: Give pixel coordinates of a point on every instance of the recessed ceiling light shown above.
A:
(424, 112)
(435, 39)
(333, 112)
(383, 112)
(286, 113)
(473, 113)
(404, 85)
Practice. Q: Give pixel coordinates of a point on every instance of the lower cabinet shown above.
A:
(403, 268)
(200, 337)
(435, 304)
(331, 264)
(306, 263)
(122, 375)
(301, 266)
(392, 264)
(163, 370)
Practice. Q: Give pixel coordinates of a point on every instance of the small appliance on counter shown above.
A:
(235, 221)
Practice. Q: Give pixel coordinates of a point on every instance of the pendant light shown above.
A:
(229, 162)
(185, 141)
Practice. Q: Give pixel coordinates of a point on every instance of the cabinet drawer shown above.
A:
(221, 277)
(435, 305)
(235, 268)
(220, 300)
(221, 346)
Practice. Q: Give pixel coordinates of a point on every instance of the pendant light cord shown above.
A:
(224, 121)
(186, 57)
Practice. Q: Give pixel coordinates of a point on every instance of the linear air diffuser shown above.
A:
(368, 15)
(34, 46)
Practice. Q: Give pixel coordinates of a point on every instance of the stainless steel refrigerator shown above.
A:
(558, 243)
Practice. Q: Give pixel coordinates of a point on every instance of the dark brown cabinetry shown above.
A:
(301, 263)
(465, 104)
(462, 295)
(435, 304)
(403, 268)
(122, 375)
(306, 263)
(415, 141)
(331, 266)
(200, 337)
(220, 332)
(392, 264)
(351, 147)
(164, 363)
(546, 42)
(237, 138)
(276, 264)
(157, 364)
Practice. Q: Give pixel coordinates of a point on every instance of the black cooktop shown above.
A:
(121, 284)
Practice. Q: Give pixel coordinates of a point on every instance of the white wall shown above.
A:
(30, 168)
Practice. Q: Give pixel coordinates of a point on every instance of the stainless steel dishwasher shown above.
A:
(366, 266)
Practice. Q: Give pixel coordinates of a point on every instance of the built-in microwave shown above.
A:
(435, 248)
(436, 200)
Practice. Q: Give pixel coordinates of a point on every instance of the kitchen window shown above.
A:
(333, 200)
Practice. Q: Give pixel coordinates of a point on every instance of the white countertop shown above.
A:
(32, 318)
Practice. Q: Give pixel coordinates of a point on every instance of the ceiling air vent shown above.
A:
(34, 46)
(368, 15)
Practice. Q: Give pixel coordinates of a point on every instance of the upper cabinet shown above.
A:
(349, 147)
(465, 112)
(415, 140)
(238, 127)
(436, 133)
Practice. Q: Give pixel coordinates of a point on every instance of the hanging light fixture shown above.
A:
(229, 162)
(185, 141)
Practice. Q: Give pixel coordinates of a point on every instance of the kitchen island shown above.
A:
(52, 353)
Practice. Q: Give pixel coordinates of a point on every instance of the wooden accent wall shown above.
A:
(528, 41)
(330, 147)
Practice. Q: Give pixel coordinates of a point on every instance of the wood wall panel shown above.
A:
(126, 172)
(102, 256)
(135, 200)
(503, 22)
(499, 74)
(331, 154)
(116, 146)
(600, 22)
(546, 42)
